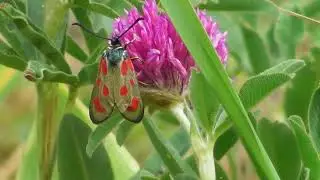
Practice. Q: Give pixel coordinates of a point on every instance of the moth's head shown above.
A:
(114, 42)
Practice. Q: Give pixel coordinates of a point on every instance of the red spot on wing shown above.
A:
(124, 68)
(97, 105)
(123, 90)
(98, 82)
(132, 82)
(105, 90)
(103, 66)
(130, 65)
(134, 104)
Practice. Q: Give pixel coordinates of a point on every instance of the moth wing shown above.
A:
(127, 94)
(102, 100)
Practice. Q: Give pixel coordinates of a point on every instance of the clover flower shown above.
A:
(165, 64)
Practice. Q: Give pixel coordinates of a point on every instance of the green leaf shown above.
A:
(64, 41)
(288, 32)
(224, 143)
(184, 176)
(168, 154)
(259, 86)
(272, 43)
(180, 141)
(200, 46)
(9, 59)
(119, 5)
(136, 3)
(226, 134)
(37, 38)
(143, 174)
(36, 12)
(257, 51)
(36, 71)
(235, 5)
(235, 41)
(97, 136)
(82, 16)
(307, 149)
(75, 50)
(316, 61)
(97, 8)
(281, 145)
(312, 8)
(73, 162)
(252, 92)
(10, 33)
(96, 53)
(314, 118)
(289, 67)
(298, 95)
(220, 173)
(88, 74)
(204, 110)
(123, 131)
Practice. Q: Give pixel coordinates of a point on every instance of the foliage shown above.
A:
(274, 52)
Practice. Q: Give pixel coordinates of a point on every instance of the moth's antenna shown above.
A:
(89, 31)
(135, 22)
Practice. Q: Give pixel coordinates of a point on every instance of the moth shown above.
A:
(116, 85)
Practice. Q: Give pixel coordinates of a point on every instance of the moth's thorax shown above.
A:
(115, 54)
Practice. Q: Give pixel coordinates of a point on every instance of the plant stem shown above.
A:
(178, 112)
(202, 148)
(50, 111)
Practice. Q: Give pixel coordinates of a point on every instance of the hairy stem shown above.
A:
(201, 147)
(184, 121)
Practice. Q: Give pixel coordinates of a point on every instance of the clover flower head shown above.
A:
(164, 63)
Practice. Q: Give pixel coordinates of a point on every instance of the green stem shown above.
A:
(202, 148)
(178, 112)
(50, 111)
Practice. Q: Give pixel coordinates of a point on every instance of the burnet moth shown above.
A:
(116, 83)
